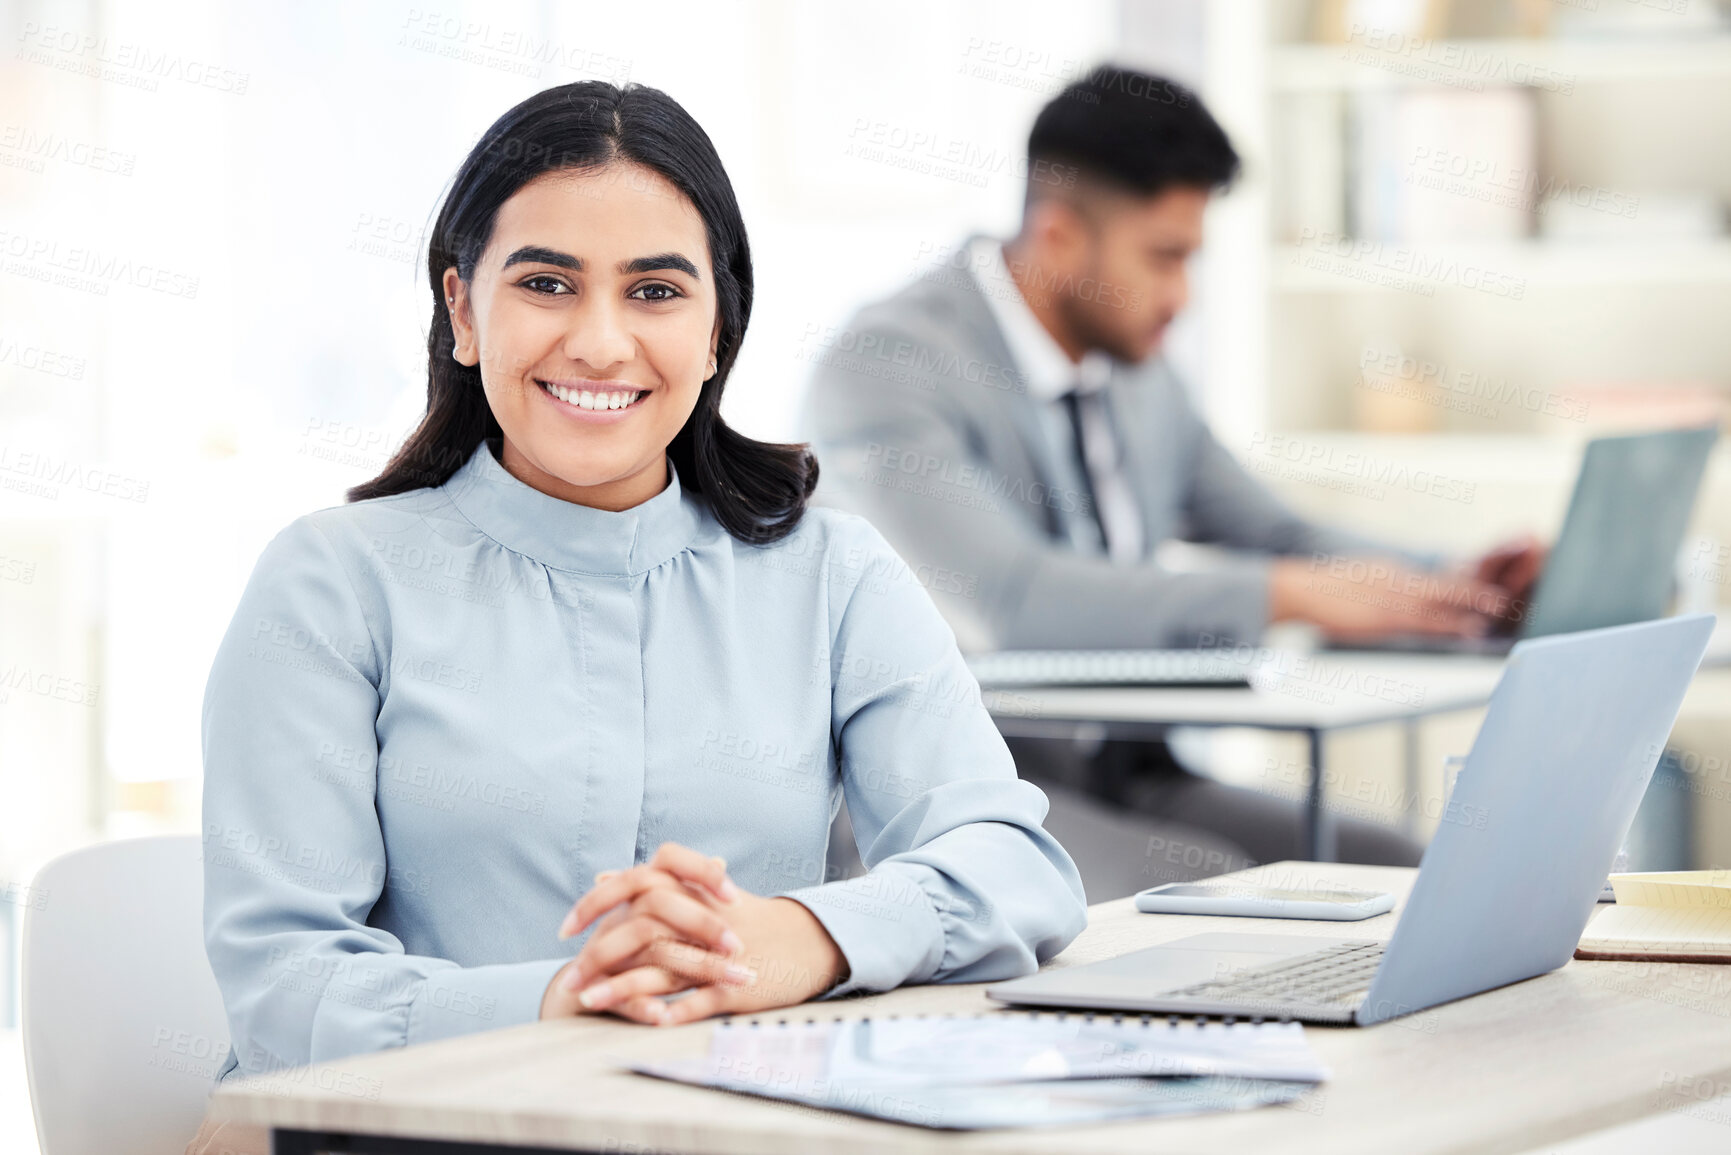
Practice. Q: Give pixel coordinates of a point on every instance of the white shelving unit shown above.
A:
(1540, 265)
(1291, 320)
(1625, 323)
(1302, 67)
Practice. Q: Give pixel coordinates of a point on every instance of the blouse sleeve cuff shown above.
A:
(884, 924)
(463, 1000)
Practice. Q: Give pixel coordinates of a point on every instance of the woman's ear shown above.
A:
(714, 350)
(463, 349)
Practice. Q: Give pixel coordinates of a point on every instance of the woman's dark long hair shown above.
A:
(757, 490)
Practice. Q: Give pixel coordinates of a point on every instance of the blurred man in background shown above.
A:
(1008, 423)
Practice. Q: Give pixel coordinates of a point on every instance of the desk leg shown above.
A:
(1409, 819)
(10, 928)
(287, 1141)
(1319, 840)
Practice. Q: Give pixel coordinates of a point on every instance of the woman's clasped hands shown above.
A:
(678, 923)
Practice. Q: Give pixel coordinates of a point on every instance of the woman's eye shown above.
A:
(548, 285)
(656, 292)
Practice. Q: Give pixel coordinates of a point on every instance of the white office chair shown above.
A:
(124, 1029)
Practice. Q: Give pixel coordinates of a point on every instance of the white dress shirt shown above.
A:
(1050, 374)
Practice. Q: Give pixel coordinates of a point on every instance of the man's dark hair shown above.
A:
(1137, 131)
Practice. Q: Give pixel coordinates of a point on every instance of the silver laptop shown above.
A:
(1613, 560)
(1542, 804)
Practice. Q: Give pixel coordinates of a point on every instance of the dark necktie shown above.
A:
(1073, 406)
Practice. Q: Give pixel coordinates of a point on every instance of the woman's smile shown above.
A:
(593, 401)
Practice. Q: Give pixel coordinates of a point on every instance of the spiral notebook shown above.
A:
(1673, 916)
(1005, 1069)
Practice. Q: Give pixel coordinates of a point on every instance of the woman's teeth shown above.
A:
(586, 399)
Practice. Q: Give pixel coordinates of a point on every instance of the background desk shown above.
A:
(1316, 694)
(1590, 1046)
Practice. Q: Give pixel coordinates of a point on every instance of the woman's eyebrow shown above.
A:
(538, 255)
(535, 254)
(659, 261)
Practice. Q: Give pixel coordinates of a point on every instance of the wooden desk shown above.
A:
(1587, 1047)
(1311, 694)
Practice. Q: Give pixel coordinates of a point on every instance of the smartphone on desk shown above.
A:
(1334, 904)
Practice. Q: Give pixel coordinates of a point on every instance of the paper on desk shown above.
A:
(1011, 1048)
(1005, 1070)
(1048, 1103)
(997, 1049)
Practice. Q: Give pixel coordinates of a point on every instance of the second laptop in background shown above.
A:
(1614, 559)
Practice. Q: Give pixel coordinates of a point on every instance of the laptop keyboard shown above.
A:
(1338, 977)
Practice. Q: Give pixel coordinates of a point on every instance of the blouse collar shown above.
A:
(565, 535)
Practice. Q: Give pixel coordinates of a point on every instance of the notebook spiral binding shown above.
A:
(1118, 1018)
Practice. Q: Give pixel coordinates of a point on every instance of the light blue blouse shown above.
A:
(436, 716)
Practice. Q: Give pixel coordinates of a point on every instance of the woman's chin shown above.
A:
(586, 469)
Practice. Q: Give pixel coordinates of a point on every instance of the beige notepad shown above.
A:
(1680, 916)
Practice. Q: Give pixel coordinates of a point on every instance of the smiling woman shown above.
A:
(581, 664)
(596, 249)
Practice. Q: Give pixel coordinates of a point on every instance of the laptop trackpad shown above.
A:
(1181, 963)
(1204, 958)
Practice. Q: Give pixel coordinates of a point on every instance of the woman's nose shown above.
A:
(600, 336)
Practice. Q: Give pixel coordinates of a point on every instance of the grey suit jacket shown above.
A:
(923, 424)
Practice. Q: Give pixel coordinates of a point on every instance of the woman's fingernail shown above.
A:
(742, 976)
(569, 926)
(728, 891)
(731, 943)
(573, 979)
(596, 996)
(659, 1011)
(605, 875)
